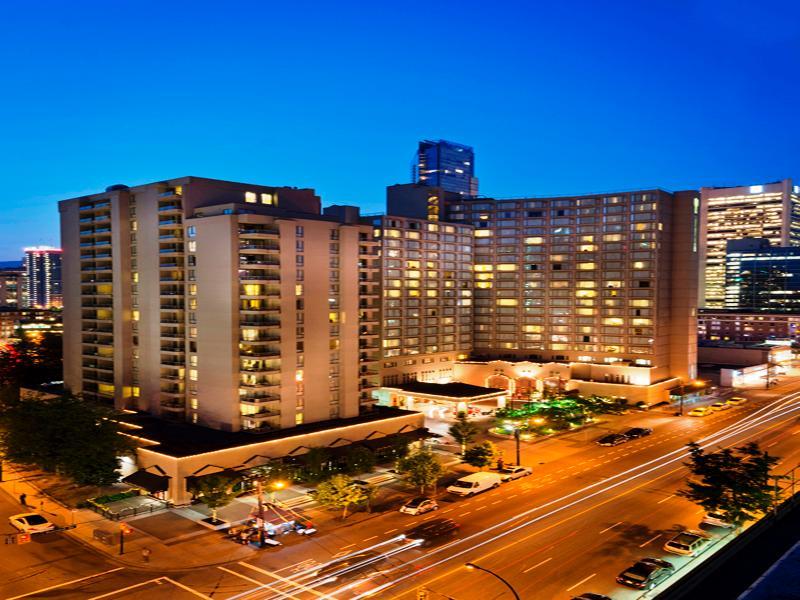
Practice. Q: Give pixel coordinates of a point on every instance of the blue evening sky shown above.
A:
(556, 97)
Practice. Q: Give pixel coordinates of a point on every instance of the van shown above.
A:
(475, 483)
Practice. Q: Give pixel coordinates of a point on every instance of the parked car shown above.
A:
(687, 543)
(700, 411)
(736, 400)
(30, 523)
(418, 506)
(349, 566)
(591, 596)
(475, 483)
(717, 406)
(510, 472)
(637, 432)
(612, 439)
(432, 531)
(717, 520)
(646, 573)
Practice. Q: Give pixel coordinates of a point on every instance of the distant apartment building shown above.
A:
(426, 297)
(13, 287)
(762, 277)
(43, 277)
(743, 326)
(770, 211)
(229, 305)
(448, 165)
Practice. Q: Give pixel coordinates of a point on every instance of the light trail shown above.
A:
(775, 409)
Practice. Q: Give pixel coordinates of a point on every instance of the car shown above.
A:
(687, 543)
(432, 531)
(646, 573)
(349, 566)
(717, 520)
(510, 472)
(591, 596)
(419, 505)
(475, 483)
(717, 406)
(612, 439)
(736, 400)
(30, 523)
(700, 411)
(637, 432)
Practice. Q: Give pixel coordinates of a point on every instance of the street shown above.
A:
(585, 514)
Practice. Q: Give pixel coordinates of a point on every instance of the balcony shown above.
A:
(262, 414)
(174, 250)
(169, 208)
(171, 305)
(256, 322)
(172, 406)
(169, 222)
(261, 309)
(262, 385)
(255, 399)
(259, 368)
(258, 231)
(261, 339)
(257, 248)
(259, 291)
(173, 348)
(169, 361)
(259, 352)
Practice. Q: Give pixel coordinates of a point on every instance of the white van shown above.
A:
(475, 483)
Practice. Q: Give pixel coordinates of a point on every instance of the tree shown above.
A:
(420, 469)
(216, 491)
(317, 463)
(52, 434)
(463, 431)
(480, 456)
(732, 481)
(339, 492)
(358, 460)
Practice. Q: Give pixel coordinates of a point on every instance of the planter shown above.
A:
(215, 524)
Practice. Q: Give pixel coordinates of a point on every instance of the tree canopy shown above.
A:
(339, 492)
(68, 435)
(480, 456)
(735, 482)
(216, 491)
(420, 469)
(463, 431)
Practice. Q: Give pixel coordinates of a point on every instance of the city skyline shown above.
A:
(566, 111)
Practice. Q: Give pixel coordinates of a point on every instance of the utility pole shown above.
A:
(260, 519)
(516, 439)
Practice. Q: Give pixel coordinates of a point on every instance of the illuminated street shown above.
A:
(571, 527)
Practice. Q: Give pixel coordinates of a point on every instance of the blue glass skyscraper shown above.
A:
(447, 165)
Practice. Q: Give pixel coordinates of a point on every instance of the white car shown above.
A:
(30, 523)
(420, 505)
(510, 472)
(717, 520)
(687, 543)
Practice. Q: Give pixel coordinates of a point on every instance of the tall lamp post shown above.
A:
(471, 566)
(516, 439)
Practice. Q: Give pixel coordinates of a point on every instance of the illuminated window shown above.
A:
(612, 237)
(615, 321)
(268, 199)
(250, 197)
(587, 266)
(587, 284)
(507, 267)
(193, 374)
(534, 240)
(431, 293)
(135, 315)
(252, 289)
(482, 267)
(413, 274)
(507, 302)
(298, 289)
(333, 317)
(640, 303)
(479, 233)
(586, 293)
(533, 328)
(483, 285)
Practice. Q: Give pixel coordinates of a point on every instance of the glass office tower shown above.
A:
(447, 165)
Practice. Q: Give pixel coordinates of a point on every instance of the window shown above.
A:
(191, 231)
(250, 197)
(298, 231)
(268, 199)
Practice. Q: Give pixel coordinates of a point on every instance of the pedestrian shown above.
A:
(146, 554)
(41, 505)
(23, 499)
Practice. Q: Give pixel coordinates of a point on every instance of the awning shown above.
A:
(389, 440)
(149, 481)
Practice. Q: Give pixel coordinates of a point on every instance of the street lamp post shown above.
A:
(471, 566)
(516, 439)
(260, 519)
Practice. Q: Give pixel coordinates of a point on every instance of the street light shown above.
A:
(276, 485)
(471, 566)
(697, 384)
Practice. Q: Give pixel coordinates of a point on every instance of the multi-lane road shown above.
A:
(584, 515)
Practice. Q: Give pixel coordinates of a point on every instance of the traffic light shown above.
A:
(23, 538)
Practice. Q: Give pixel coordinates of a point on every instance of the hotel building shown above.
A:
(233, 306)
(43, 277)
(770, 211)
(13, 288)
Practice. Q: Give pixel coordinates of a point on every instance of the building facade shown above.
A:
(762, 277)
(426, 272)
(589, 280)
(229, 305)
(447, 165)
(770, 211)
(43, 277)
(13, 287)
(746, 326)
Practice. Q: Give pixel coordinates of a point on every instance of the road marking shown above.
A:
(305, 588)
(612, 527)
(395, 529)
(665, 499)
(348, 546)
(187, 588)
(514, 496)
(546, 560)
(480, 508)
(581, 582)
(650, 540)
(370, 538)
(466, 513)
(52, 587)
(772, 444)
(496, 502)
(261, 585)
(125, 589)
